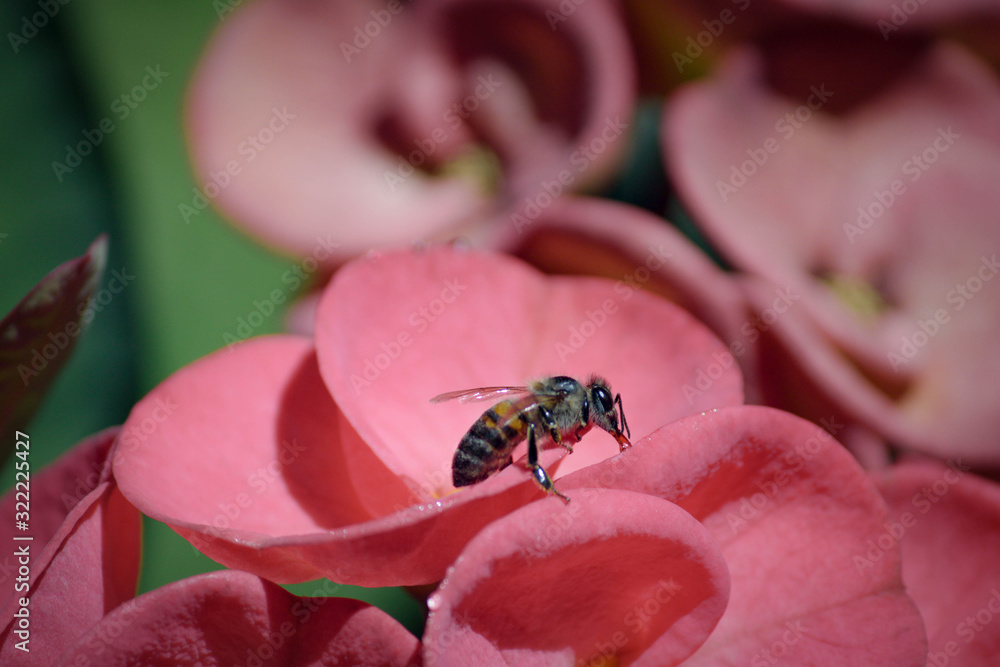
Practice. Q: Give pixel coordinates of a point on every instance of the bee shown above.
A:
(560, 407)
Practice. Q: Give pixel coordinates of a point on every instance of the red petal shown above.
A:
(948, 521)
(793, 513)
(612, 574)
(233, 617)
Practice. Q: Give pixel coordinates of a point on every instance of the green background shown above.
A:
(192, 281)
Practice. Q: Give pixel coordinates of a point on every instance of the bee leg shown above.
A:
(537, 471)
(553, 428)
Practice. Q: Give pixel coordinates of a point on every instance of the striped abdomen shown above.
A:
(486, 448)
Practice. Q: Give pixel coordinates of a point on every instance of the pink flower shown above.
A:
(295, 462)
(635, 569)
(329, 128)
(82, 559)
(948, 522)
(877, 311)
(232, 617)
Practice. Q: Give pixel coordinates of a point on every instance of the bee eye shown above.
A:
(603, 398)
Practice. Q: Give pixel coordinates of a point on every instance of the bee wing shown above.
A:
(478, 394)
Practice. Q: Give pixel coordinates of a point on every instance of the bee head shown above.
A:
(607, 410)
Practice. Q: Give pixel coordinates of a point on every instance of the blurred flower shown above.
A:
(296, 462)
(377, 124)
(947, 520)
(878, 227)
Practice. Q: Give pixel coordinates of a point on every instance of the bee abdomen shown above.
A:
(484, 450)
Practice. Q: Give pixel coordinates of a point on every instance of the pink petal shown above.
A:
(793, 513)
(948, 521)
(590, 236)
(297, 132)
(53, 492)
(233, 617)
(88, 567)
(442, 320)
(613, 575)
(247, 457)
(925, 396)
